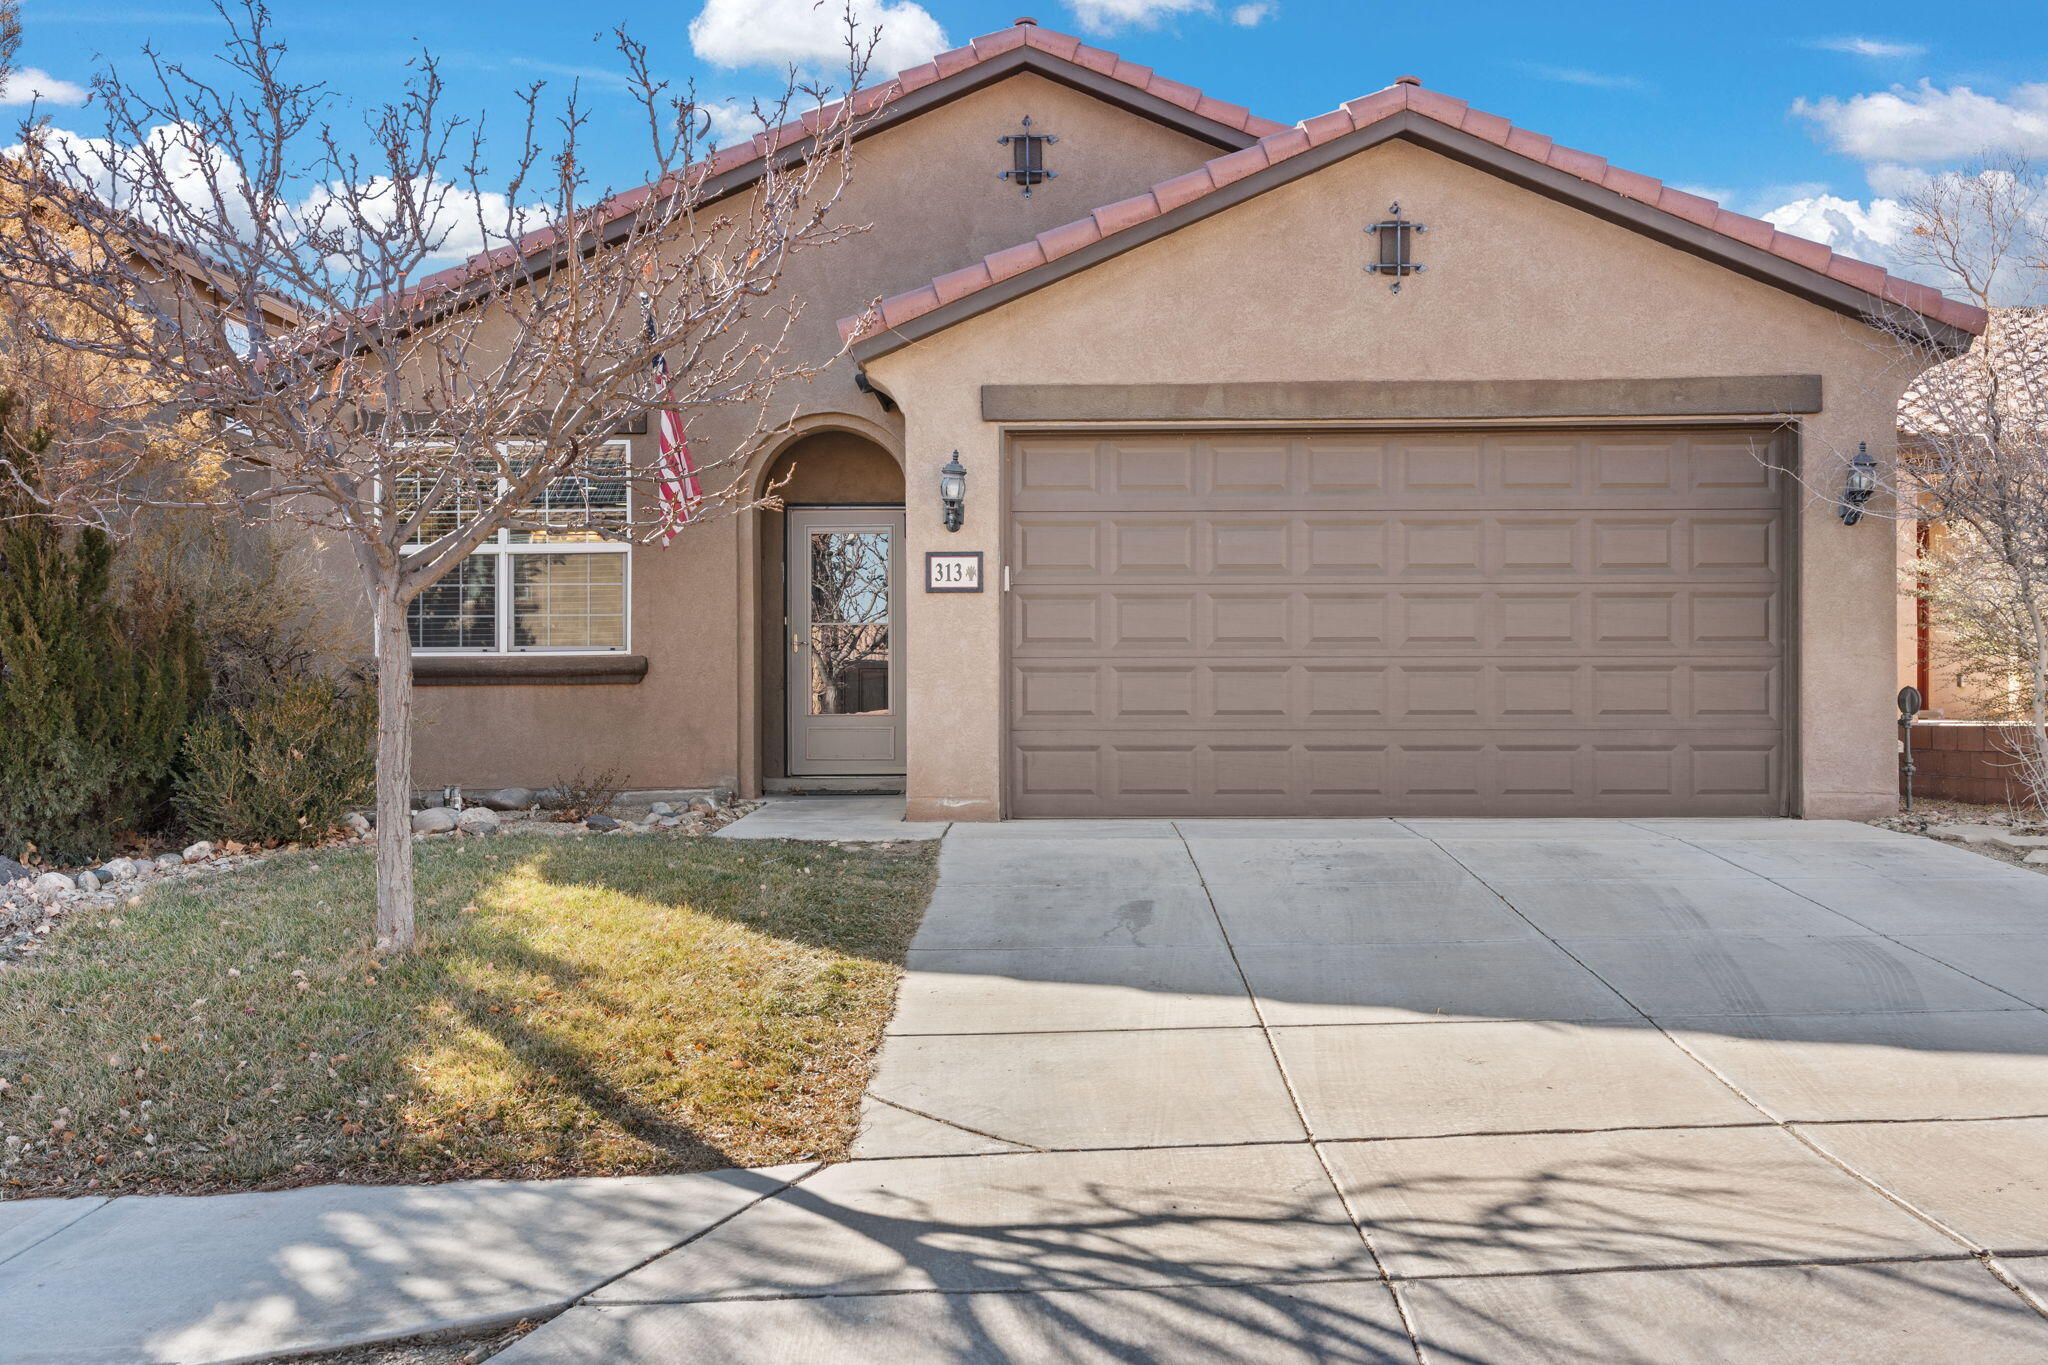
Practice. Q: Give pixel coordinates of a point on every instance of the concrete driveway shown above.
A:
(1437, 1090)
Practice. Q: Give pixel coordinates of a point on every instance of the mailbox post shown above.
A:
(1910, 702)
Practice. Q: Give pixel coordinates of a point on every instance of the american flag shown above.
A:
(677, 477)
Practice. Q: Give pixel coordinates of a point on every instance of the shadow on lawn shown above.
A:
(858, 903)
(551, 1057)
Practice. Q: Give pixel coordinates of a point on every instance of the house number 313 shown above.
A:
(952, 572)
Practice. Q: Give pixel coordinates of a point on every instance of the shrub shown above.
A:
(265, 607)
(96, 691)
(287, 765)
(582, 794)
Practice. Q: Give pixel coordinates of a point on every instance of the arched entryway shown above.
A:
(828, 568)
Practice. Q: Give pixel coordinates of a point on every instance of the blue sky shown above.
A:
(1816, 113)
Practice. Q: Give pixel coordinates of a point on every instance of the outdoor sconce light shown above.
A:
(1861, 485)
(953, 492)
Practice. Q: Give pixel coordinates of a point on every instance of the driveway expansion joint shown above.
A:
(1401, 1309)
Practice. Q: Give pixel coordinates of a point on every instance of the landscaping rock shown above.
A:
(167, 861)
(1969, 834)
(198, 852)
(51, 885)
(433, 820)
(507, 798)
(661, 808)
(359, 824)
(475, 820)
(600, 823)
(116, 870)
(87, 881)
(701, 807)
(11, 871)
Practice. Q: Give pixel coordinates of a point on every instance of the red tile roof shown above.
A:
(1359, 114)
(1025, 34)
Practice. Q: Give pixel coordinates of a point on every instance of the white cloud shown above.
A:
(1107, 16)
(1870, 47)
(1573, 75)
(32, 83)
(731, 122)
(811, 34)
(1870, 231)
(1923, 124)
(196, 172)
(465, 223)
(1880, 230)
(1251, 16)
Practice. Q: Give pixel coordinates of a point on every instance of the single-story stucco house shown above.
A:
(1398, 462)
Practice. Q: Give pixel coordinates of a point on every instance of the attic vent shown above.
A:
(1027, 157)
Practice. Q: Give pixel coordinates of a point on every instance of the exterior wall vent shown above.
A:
(1027, 157)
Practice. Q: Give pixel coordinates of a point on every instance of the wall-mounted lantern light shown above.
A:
(1862, 484)
(953, 492)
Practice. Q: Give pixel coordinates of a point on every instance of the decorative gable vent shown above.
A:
(1027, 156)
(1397, 246)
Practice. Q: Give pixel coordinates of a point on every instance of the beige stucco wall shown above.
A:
(927, 192)
(1518, 287)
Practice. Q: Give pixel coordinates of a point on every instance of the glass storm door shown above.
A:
(845, 677)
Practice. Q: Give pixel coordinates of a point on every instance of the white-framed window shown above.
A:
(560, 588)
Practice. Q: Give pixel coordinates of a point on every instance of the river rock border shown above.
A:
(33, 901)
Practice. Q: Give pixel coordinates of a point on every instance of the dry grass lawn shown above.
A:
(578, 1006)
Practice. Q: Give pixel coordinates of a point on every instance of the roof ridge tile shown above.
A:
(1062, 45)
(1125, 213)
(1280, 142)
(1065, 46)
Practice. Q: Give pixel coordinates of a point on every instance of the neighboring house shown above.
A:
(1960, 683)
(1257, 532)
(176, 287)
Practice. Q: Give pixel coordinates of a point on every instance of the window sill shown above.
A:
(526, 670)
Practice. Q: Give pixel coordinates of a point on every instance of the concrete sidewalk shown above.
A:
(841, 819)
(240, 1277)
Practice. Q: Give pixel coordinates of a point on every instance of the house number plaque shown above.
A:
(952, 572)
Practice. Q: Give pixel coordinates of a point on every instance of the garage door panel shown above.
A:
(1366, 623)
(1143, 548)
(1644, 620)
(1577, 470)
(1420, 773)
(1210, 695)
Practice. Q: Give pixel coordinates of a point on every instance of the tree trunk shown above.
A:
(394, 775)
(2035, 763)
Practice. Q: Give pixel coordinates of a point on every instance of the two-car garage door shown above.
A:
(1363, 623)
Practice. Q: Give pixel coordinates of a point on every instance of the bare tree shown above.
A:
(407, 416)
(1974, 427)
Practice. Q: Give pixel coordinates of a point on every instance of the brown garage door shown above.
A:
(1499, 623)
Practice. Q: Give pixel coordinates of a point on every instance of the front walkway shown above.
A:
(1472, 1091)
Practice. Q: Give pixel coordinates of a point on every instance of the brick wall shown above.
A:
(1966, 761)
